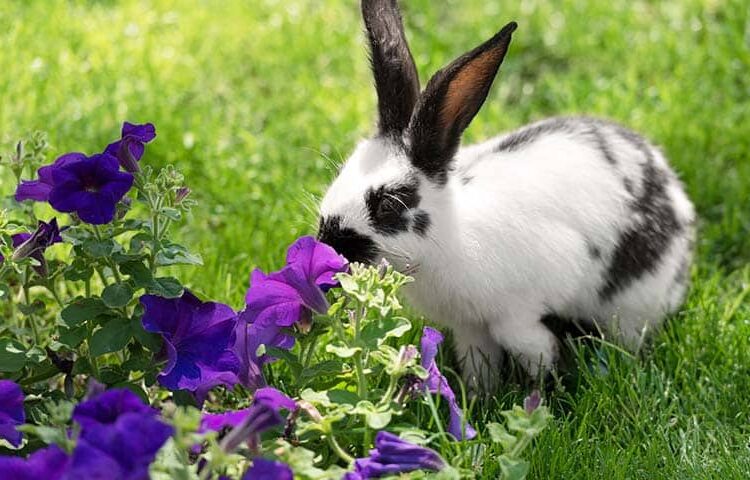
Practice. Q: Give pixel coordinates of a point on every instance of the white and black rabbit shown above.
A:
(575, 217)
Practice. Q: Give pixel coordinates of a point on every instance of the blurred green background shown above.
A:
(257, 101)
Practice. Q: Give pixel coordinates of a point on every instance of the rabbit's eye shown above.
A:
(388, 207)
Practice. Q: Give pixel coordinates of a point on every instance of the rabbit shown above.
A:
(574, 217)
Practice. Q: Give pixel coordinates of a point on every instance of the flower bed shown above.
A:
(113, 369)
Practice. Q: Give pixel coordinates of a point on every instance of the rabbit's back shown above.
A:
(579, 214)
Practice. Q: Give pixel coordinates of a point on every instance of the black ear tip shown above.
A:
(509, 28)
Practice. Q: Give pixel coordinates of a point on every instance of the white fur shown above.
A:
(513, 243)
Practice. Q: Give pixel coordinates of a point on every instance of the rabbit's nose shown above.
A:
(354, 246)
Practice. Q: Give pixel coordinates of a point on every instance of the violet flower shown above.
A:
(34, 244)
(106, 407)
(263, 469)
(290, 294)
(11, 412)
(249, 423)
(391, 456)
(48, 463)
(129, 149)
(197, 338)
(39, 190)
(90, 187)
(250, 336)
(122, 450)
(437, 383)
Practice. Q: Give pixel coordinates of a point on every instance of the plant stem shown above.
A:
(27, 300)
(338, 450)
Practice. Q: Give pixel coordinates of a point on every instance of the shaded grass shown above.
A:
(257, 102)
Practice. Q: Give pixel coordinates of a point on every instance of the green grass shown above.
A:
(256, 100)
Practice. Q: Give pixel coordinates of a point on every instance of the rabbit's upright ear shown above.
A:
(450, 101)
(396, 79)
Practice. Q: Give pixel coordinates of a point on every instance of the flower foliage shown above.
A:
(308, 378)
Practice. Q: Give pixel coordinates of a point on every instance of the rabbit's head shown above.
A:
(390, 191)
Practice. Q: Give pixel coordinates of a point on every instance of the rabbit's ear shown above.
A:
(396, 79)
(451, 99)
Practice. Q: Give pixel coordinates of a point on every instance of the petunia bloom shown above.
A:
(248, 423)
(437, 383)
(39, 190)
(90, 187)
(391, 456)
(129, 149)
(49, 463)
(250, 336)
(122, 450)
(106, 407)
(290, 294)
(34, 244)
(198, 338)
(11, 412)
(263, 469)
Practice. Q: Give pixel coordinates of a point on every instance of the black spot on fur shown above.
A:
(388, 207)
(603, 145)
(640, 248)
(346, 241)
(594, 251)
(421, 223)
(628, 184)
(522, 138)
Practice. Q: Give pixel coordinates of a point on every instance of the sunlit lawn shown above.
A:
(257, 102)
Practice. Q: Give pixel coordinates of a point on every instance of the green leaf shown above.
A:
(72, 337)
(99, 248)
(49, 435)
(112, 337)
(500, 435)
(37, 306)
(288, 357)
(171, 213)
(341, 350)
(35, 355)
(513, 469)
(81, 310)
(174, 254)
(151, 341)
(78, 271)
(139, 273)
(167, 287)
(12, 355)
(377, 418)
(117, 295)
(377, 332)
(322, 369)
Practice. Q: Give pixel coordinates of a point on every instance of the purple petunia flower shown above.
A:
(263, 469)
(129, 149)
(437, 383)
(250, 422)
(250, 336)
(120, 436)
(39, 190)
(122, 450)
(106, 407)
(287, 296)
(90, 187)
(46, 464)
(11, 412)
(393, 455)
(197, 337)
(34, 244)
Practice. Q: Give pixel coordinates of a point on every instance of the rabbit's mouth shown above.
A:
(353, 245)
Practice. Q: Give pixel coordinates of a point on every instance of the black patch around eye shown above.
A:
(388, 207)
(346, 241)
(421, 223)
